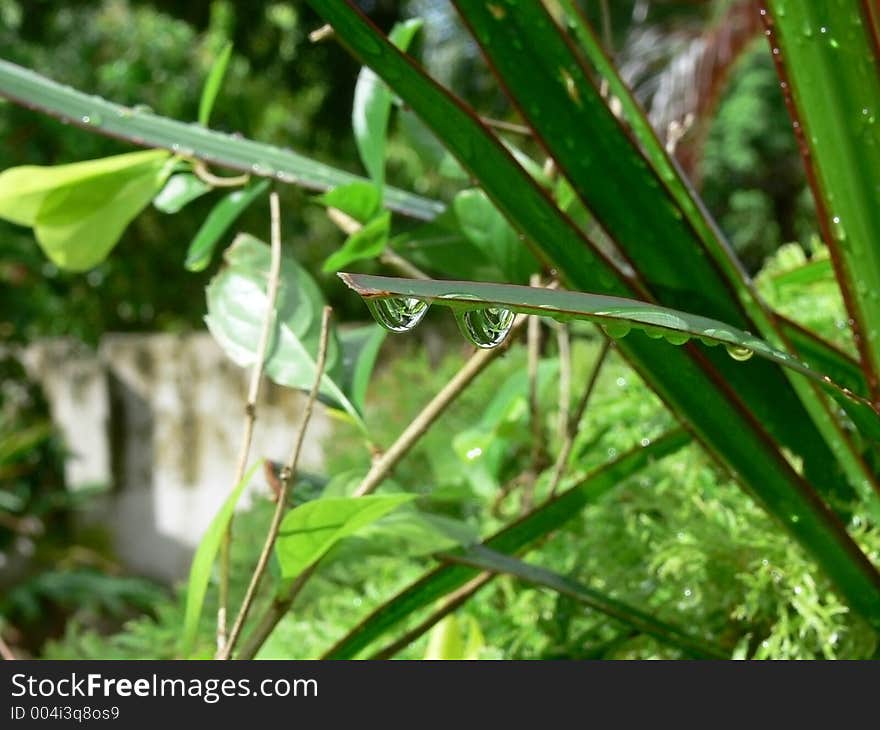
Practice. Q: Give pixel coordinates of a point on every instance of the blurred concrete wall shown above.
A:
(157, 419)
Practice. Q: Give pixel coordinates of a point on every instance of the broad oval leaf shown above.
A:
(310, 530)
(237, 300)
(79, 211)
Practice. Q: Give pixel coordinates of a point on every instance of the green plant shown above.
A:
(608, 214)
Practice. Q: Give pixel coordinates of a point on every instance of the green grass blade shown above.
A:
(146, 129)
(542, 521)
(686, 379)
(491, 560)
(827, 56)
(213, 84)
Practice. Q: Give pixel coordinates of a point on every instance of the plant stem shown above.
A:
(250, 409)
(287, 475)
(201, 171)
(273, 614)
(574, 421)
(417, 427)
(563, 339)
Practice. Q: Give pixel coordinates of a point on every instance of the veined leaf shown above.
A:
(226, 150)
(310, 530)
(237, 301)
(542, 521)
(203, 560)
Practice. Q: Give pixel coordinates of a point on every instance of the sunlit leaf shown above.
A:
(310, 530)
(180, 190)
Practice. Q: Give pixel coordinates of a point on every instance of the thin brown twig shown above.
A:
(250, 409)
(574, 421)
(273, 614)
(287, 475)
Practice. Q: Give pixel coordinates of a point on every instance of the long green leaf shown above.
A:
(217, 222)
(616, 315)
(542, 521)
(213, 83)
(491, 560)
(372, 107)
(150, 130)
(685, 378)
(828, 58)
(203, 560)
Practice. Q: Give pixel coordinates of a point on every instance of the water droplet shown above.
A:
(616, 330)
(486, 327)
(677, 338)
(398, 314)
(739, 353)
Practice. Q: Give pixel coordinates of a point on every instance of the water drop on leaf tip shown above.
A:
(486, 327)
(739, 353)
(397, 314)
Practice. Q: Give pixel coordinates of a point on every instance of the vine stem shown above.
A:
(287, 474)
(6, 652)
(250, 409)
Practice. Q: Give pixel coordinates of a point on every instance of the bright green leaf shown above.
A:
(359, 200)
(213, 83)
(79, 211)
(367, 243)
(310, 530)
